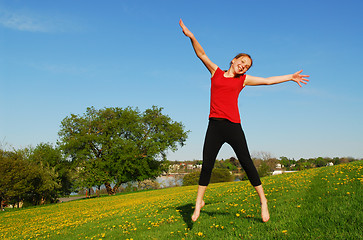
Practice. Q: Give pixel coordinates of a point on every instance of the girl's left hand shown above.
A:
(298, 78)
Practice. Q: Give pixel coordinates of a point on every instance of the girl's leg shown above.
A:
(265, 215)
(239, 144)
(212, 143)
(199, 203)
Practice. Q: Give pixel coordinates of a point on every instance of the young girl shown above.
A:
(224, 119)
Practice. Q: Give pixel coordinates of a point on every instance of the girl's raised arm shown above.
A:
(198, 49)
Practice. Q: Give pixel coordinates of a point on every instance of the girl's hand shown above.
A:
(298, 78)
(185, 29)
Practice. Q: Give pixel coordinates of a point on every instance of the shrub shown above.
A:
(191, 179)
(218, 175)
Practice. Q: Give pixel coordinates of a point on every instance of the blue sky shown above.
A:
(60, 57)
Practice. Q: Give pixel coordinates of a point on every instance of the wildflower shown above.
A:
(284, 231)
(200, 234)
(237, 214)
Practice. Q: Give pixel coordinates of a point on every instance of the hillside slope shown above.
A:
(321, 203)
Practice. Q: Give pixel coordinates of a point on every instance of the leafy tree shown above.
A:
(263, 170)
(284, 161)
(320, 162)
(235, 162)
(114, 145)
(42, 184)
(51, 158)
(13, 176)
(24, 180)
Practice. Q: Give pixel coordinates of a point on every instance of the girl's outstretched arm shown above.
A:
(296, 77)
(198, 49)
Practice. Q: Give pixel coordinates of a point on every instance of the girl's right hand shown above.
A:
(185, 30)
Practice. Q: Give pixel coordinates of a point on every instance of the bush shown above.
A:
(191, 179)
(218, 175)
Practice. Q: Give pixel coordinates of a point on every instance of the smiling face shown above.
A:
(241, 64)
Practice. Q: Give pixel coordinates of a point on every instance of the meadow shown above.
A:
(320, 203)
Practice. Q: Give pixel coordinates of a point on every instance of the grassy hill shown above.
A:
(321, 203)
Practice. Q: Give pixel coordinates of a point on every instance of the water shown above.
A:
(170, 180)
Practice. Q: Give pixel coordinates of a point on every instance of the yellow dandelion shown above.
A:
(284, 231)
(237, 214)
(200, 234)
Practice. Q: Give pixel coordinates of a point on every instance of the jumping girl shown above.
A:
(224, 119)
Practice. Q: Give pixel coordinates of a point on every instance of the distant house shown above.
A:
(174, 167)
(329, 164)
(190, 166)
(278, 166)
(199, 166)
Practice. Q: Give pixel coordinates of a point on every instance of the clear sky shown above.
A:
(60, 57)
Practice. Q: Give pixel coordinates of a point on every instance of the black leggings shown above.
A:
(222, 131)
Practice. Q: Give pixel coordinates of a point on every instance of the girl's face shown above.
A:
(241, 65)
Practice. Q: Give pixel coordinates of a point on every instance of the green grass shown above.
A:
(321, 203)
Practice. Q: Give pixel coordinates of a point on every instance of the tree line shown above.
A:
(229, 169)
(102, 147)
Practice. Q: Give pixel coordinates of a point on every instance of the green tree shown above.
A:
(42, 184)
(13, 172)
(263, 170)
(114, 145)
(235, 162)
(24, 180)
(320, 162)
(51, 158)
(284, 161)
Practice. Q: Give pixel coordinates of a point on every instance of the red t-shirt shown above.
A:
(224, 96)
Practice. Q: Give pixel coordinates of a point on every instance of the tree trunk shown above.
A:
(99, 190)
(116, 187)
(109, 189)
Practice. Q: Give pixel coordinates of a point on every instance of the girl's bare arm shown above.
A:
(198, 49)
(296, 77)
